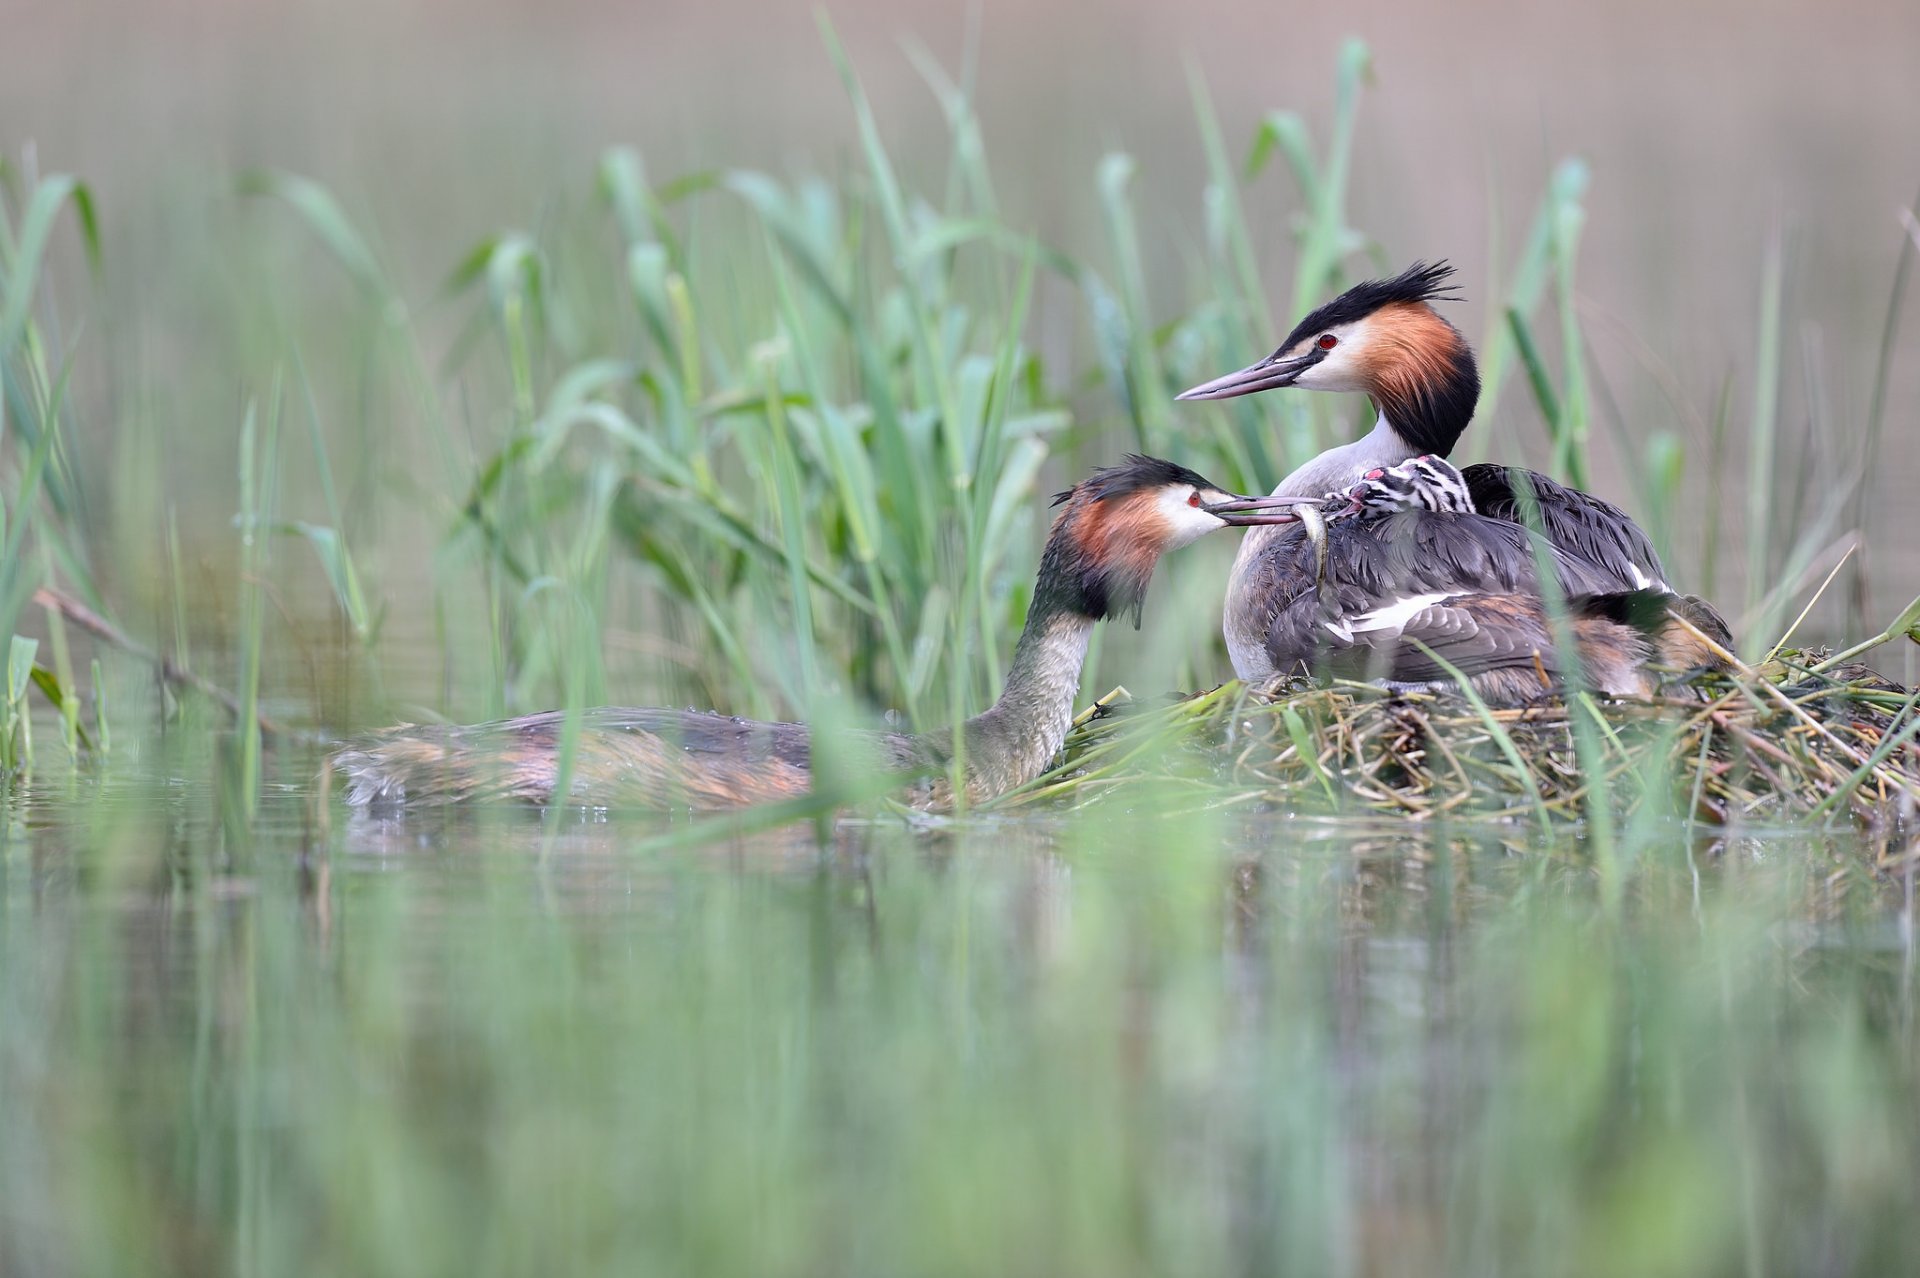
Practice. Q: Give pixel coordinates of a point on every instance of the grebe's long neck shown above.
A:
(1012, 743)
(1340, 468)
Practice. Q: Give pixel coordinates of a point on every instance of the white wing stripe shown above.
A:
(1395, 616)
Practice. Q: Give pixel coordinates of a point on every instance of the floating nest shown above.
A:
(1786, 742)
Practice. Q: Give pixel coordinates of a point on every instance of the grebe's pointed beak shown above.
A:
(1251, 512)
(1266, 375)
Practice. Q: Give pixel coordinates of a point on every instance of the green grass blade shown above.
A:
(321, 213)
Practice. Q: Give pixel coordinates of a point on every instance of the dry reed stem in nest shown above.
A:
(1738, 746)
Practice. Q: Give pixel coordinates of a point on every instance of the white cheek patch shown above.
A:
(1186, 523)
(1339, 369)
(1391, 618)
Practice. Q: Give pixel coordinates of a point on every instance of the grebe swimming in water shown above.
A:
(1462, 585)
(1100, 554)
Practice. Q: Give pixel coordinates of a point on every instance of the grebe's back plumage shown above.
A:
(1099, 558)
(1464, 584)
(1375, 591)
(1578, 524)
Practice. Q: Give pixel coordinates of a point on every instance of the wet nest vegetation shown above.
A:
(1788, 741)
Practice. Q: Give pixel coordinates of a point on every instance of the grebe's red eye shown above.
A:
(1328, 341)
(1193, 498)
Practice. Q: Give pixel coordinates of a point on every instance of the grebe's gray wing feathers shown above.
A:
(1475, 634)
(1580, 525)
(1424, 552)
(1464, 585)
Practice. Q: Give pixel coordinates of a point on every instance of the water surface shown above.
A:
(1093, 1043)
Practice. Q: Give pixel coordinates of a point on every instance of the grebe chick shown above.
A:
(1385, 338)
(1425, 482)
(1623, 639)
(1099, 556)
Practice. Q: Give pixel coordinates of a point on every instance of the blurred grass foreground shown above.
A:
(778, 445)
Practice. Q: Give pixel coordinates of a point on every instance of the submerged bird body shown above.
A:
(1099, 557)
(1382, 598)
(627, 757)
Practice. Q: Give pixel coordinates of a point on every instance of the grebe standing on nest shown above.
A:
(1099, 557)
(1381, 598)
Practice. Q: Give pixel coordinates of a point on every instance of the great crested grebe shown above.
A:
(1099, 557)
(1623, 640)
(1461, 584)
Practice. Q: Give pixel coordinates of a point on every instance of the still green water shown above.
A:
(1110, 1042)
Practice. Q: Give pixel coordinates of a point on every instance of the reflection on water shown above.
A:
(1103, 1042)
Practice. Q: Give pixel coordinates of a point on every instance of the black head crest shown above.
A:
(1421, 282)
(1137, 473)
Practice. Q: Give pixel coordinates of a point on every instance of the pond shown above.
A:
(1106, 1041)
